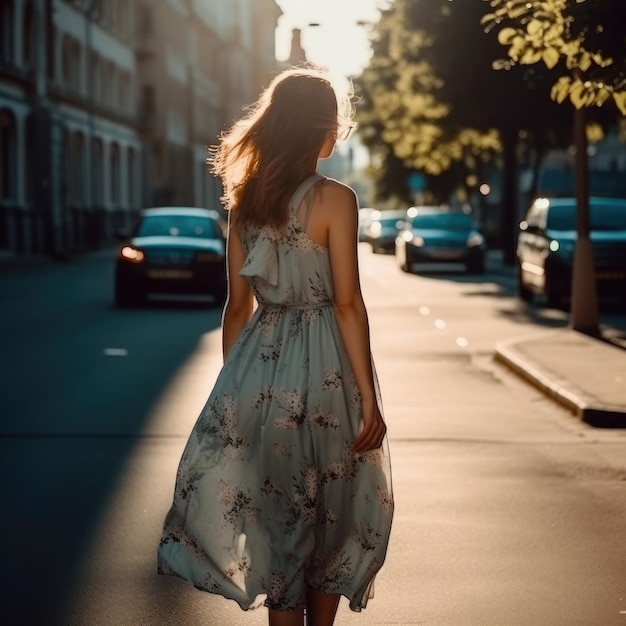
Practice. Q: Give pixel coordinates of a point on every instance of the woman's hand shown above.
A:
(374, 428)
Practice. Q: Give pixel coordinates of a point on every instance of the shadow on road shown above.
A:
(80, 379)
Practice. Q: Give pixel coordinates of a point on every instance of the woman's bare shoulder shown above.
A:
(338, 196)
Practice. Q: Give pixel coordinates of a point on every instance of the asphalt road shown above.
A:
(509, 510)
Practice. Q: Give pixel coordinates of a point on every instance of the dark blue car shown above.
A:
(433, 234)
(545, 249)
(172, 250)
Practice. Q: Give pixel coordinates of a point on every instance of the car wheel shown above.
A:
(523, 292)
(406, 266)
(555, 298)
(476, 266)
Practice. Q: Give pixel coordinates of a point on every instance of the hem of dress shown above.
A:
(261, 598)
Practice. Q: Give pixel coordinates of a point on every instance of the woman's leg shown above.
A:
(321, 608)
(286, 618)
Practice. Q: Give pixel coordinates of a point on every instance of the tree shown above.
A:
(431, 99)
(588, 36)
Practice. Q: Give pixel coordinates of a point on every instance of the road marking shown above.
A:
(115, 352)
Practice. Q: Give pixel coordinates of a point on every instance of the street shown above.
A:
(509, 510)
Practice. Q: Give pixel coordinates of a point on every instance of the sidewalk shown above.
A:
(584, 374)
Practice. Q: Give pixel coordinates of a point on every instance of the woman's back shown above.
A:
(291, 268)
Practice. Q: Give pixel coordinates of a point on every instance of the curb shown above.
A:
(586, 408)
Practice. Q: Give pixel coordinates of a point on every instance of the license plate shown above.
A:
(170, 274)
(445, 255)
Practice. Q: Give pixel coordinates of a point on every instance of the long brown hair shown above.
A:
(274, 147)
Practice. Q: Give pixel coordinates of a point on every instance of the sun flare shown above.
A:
(335, 33)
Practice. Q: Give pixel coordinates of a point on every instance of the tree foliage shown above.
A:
(588, 35)
(403, 109)
(430, 99)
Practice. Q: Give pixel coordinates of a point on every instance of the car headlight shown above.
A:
(134, 255)
(565, 250)
(475, 240)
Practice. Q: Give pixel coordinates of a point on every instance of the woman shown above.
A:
(283, 494)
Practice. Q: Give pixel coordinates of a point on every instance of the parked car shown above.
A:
(433, 234)
(382, 231)
(545, 248)
(179, 250)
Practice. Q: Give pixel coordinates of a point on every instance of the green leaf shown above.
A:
(534, 27)
(550, 57)
(620, 101)
(505, 36)
(560, 90)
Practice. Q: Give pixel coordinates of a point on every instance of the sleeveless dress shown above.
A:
(270, 496)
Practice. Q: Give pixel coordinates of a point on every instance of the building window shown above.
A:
(145, 24)
(107, 91)
(98, 9)
(75, 175)
(123, 92)
(131, 177)
(28, 49)
(123, 14)
(148, 102)
(71, 62)
(8, 154)
(114, 160)
(51, 50)
(7, 53)
(29, 156)
(98, 173)
(95, 78)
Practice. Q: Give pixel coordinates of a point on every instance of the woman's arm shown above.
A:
(239, 301)
(342, 217)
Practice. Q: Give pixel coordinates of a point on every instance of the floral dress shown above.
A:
(270, 496)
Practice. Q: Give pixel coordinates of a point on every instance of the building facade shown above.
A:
(109, 105)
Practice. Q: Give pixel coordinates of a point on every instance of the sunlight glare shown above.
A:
(339, 39)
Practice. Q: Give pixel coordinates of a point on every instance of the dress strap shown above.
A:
(307, 213)
(302, 190)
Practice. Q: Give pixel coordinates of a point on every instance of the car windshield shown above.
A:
(458, 222)
(602, 216)
(177, 226)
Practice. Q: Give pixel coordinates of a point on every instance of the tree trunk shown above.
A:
(584, 307)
